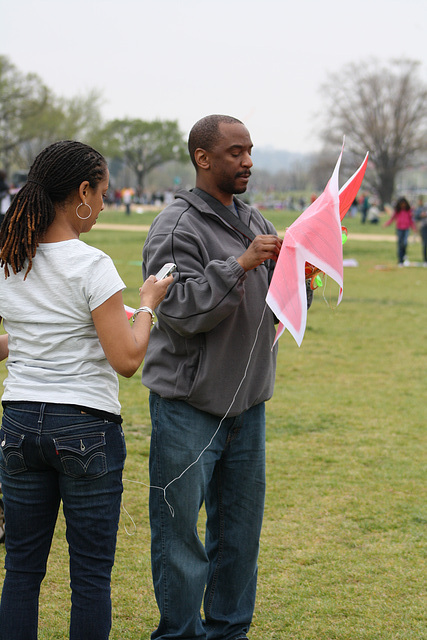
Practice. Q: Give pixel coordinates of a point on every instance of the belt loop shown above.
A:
(41, 415)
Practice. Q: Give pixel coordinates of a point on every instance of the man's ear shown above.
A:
(202, 159)
(83, 190)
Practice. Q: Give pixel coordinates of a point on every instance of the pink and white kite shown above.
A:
(314, 238)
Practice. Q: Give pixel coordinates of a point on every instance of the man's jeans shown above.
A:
(50, 452)
(230, 478)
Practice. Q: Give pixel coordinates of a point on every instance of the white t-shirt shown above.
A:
(54, 351)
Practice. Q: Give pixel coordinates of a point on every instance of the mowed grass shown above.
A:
(343, 544)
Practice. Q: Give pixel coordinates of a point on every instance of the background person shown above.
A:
(127, 196)
(4, 195)
(403, 218)
(211, 319)
(364, 207)
(61, 436)
(420, 216)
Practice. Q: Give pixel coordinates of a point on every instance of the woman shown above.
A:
(61, 437)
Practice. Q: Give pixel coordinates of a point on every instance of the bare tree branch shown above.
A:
(381, 108)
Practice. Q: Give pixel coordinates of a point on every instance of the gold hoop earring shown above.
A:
(83, 204)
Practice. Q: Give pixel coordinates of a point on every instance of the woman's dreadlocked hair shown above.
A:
(56, 172)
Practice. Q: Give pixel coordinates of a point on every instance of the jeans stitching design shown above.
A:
(12, 457)
(74, 453)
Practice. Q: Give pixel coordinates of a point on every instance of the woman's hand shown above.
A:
(153, 291)
(125, 345)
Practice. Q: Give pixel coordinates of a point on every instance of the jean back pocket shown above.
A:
(12, 455)
(82, 456)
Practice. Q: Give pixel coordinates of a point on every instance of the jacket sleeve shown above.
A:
(204, 291)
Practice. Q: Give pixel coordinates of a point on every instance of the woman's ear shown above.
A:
(202, 159)
(83, 190)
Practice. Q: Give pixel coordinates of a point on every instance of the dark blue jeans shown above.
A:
(402, 243)
(230, 479)
(49, 453)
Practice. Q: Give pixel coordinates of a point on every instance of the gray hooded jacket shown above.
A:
(209, 322)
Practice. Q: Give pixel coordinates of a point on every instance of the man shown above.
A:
(210, 369)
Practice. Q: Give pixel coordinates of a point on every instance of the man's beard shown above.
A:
(229, 185)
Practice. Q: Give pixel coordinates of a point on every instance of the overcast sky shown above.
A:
(261, 61)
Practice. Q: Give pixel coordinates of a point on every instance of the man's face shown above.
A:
(230, 160)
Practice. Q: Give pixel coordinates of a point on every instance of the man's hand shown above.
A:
(261, 248)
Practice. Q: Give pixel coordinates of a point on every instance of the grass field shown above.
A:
(343, 544)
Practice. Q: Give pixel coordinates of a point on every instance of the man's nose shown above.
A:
(247, 160)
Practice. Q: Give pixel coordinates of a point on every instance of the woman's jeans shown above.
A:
(230, 478)
(49, 453)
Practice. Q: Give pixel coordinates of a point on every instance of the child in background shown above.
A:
(403, 217)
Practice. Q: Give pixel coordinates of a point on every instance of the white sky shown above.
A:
(261, 61)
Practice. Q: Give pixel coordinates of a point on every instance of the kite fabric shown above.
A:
(315, 238)
(129, 311)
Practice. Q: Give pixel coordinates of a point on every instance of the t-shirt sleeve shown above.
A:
(104, 281)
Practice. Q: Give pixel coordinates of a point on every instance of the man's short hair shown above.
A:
(205, 133)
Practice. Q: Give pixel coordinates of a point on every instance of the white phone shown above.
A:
(166, 270)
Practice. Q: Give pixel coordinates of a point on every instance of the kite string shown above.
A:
(171, 509)
(329, 302)
(130, 518)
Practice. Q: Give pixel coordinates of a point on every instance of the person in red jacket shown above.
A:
(403, 217)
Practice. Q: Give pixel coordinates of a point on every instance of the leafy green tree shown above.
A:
(380, 108)
(22, 96)
(40, 130)
(82, 118)
(76, 118)
(31, 116)
(144, 145)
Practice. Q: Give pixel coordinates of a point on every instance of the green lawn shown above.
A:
(142, 215)
(343, 544)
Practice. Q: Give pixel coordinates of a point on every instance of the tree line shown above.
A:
(380, 107)
(32, 116)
